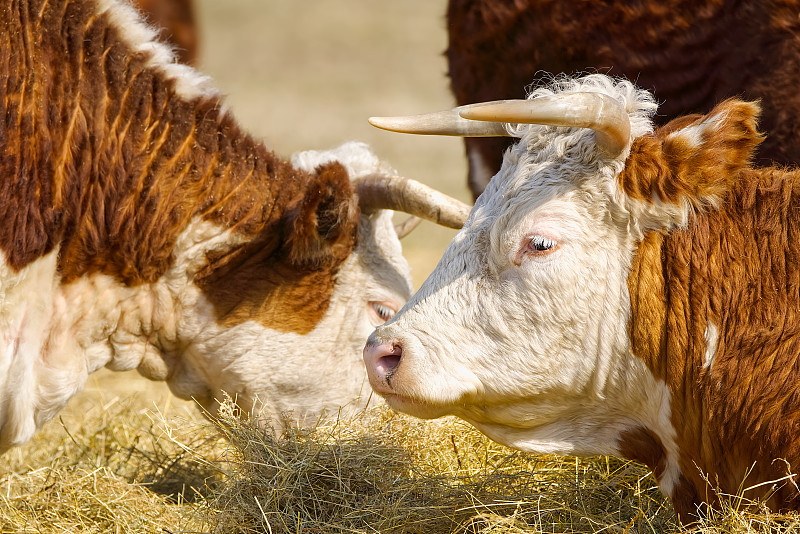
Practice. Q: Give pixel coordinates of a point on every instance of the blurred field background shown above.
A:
(126, 456)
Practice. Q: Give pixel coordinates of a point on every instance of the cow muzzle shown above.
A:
(382, 359)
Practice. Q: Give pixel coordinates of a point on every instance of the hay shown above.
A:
(124, 469)
(385, 472)
(116, 469)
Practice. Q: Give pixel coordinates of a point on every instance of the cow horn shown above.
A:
(599, 112)
(448, 122)
(404, 228)
(377, 192)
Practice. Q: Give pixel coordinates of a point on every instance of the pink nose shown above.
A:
(382, 360)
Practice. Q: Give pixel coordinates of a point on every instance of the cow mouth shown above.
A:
(415, 407)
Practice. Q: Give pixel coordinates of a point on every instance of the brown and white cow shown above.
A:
(143, 229)
(691, 54)
(617, 290)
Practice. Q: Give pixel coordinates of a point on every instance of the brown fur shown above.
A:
(643, 446)
(738, 268)
(691, 53)
(102, 157)
(177, 22)
(676, 171)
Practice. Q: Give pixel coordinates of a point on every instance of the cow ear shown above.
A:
(323, 227)
(691, 163)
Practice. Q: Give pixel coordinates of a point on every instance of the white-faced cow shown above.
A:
(617, 290)
(142, 229)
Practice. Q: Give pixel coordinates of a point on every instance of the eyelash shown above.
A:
(540, 244)
(536, 246)
(384, 312)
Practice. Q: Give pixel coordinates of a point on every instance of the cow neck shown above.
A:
(715, 314)
(106, 160)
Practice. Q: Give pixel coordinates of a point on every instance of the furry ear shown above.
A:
(692, 162)
(323, 227)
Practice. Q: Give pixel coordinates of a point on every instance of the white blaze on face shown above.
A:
(522, 327)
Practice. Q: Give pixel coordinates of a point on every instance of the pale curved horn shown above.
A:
(596, 111)
(448, 122)
(404, 228)
(377, 192)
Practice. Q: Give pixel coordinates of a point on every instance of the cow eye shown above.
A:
(537, 246)
(541, 245)
(380, 312)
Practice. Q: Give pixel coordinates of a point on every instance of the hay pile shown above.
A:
(126, 469)
(384, 472)
(117, 468)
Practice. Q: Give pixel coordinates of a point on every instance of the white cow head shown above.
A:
(523, 327)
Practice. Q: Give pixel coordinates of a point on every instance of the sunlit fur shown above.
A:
(602, 344)
(143, 229)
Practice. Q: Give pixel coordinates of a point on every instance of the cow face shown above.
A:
(274, 371)
(290, 338)
(522, 329)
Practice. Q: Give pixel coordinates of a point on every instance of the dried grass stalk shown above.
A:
(385, 472)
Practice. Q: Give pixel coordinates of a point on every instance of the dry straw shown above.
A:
(124, 469)
(113, 470)
(384, 472)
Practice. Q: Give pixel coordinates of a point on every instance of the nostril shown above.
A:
(382, 360)
(388, 362)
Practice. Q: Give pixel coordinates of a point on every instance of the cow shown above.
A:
(691, 54)
(144, 229)
(177, 25)
(616, 290)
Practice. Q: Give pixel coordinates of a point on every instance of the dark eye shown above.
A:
(381, 312)
(541, 244)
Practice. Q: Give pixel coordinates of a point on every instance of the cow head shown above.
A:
(523, 327)
(282, 330)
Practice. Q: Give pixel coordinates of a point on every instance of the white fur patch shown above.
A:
(660, 423)
(711, 336)
(695, 135)
(357, 158)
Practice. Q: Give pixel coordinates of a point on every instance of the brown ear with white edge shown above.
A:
(323, 227)
(693, 161)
